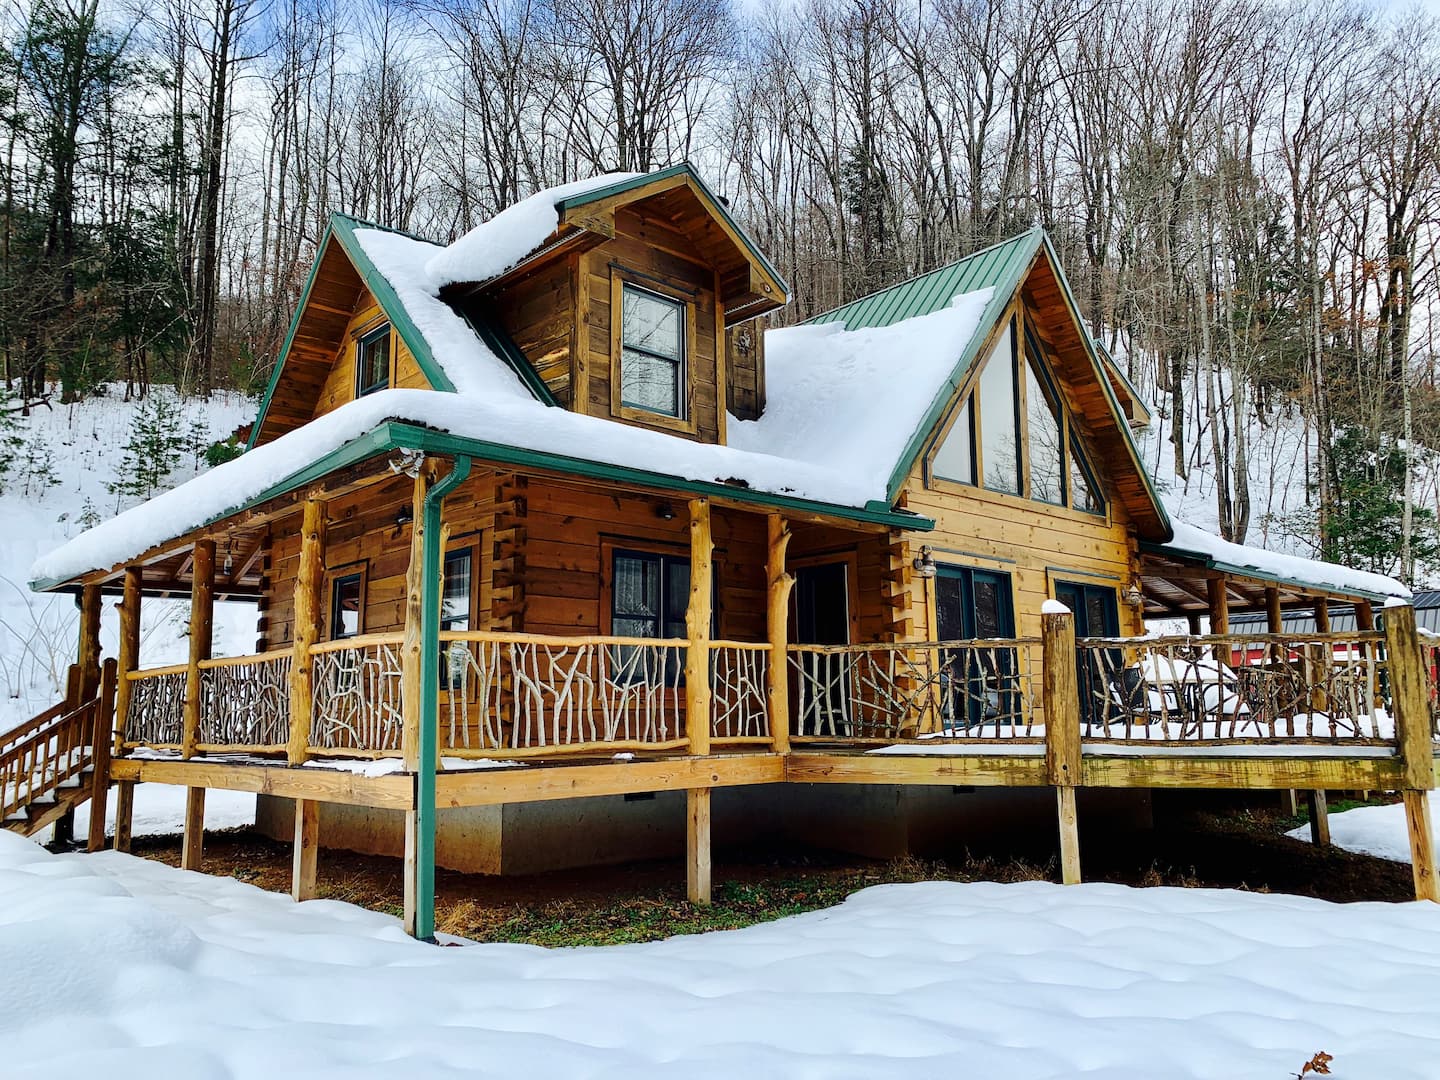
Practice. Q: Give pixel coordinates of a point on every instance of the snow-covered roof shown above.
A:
(1190, 542)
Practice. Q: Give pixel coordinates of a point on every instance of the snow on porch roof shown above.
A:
(1195, 544)
(507, 430)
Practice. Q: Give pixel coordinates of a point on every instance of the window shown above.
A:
(652, 359)
(999, 421)
(455, 605)
(347, 600)
(980, 684)
(372, 362)
(988, 446)
(648, 598)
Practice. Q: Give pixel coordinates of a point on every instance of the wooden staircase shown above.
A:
(54, 762)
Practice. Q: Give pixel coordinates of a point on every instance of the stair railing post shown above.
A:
(100, 733)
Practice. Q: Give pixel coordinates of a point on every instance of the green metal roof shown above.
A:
(994, 267)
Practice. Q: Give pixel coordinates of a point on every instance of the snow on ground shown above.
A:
(160, 811)
(1373, 830)
(85, 443)
(114, 965)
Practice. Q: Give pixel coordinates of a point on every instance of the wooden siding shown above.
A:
(745, 367)
(538, 312)
(655, 255)
(339, 385)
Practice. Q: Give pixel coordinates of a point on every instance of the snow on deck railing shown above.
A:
(1317, 688)
(983, 689)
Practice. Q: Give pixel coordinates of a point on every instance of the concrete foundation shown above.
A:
(873, 820)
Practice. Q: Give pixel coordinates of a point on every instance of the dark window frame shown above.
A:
(363, 343)
(338, 579)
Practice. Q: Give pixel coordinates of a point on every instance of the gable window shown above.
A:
(347, 601)
(372, 362)
(1012, 433)
(652, 360)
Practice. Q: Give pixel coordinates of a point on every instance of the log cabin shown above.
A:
(559, 556)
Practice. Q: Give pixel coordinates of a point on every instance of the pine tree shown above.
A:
(153, 451)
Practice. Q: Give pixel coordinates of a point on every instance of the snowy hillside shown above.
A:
(83, 445)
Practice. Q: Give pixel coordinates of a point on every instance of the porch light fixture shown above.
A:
(408, 462)
(1133, 596)
(665, 512)
(924, 563)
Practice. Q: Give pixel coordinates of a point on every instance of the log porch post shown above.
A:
(410, 690)
(1412, 731)
(778, 627)
(102, 724)
(1062, 731)
(697, 699)
(202, 616)
(129, 651)
(307, 848)
(309, 618)
(1275, 624)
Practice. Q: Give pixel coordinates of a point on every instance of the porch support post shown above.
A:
(1412, 731)
(129, 651)
(697, 845)
(192, 847)
(124, 814)
(420, 660)
(101, 733)
(202, 613)
(778, 626)
(1275, 624)
(1062, 731)
(1219, 605)
(1319, 818)
(89, 650)
(307, 849)
(697, 629)
(309, 615)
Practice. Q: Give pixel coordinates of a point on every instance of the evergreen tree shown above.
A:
(153, 451)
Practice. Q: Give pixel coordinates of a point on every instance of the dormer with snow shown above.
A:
(626, 297)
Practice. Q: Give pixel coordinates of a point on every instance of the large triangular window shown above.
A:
(1012, 434)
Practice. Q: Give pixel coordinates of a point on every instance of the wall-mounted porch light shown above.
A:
(665, 512)
(1133, 596)
(924, 563)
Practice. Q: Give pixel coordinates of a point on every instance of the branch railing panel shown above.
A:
(508, 693)
(156, 714)
(982, 689)
(1430, 653)
(1219, 689)
(245, 701)
(45, 757)
(739, 691)
(356, 698)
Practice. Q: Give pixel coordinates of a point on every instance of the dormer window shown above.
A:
(652, 357)
(372, 361)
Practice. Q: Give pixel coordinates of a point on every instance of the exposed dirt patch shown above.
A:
(1198, 841)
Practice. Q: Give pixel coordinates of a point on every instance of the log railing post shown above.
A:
(411, 644)
(778, 626)
(309, 619)
(202, 616)
(1061, 688)
(1412, 731)
(697, 629)
(100, 762)
(129, 651)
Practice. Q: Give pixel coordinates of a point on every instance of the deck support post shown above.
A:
(124, 814)
(309, 609)
(1412, 732)
(777, 694)
(1062, 731)
(129, 651)
(89, 650)
(304, 867)
(697, 845)
(1319, 818)
(697, 629)
(192, 849)
(100, 743)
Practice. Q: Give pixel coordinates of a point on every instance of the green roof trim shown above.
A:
(503, 346)
(718, 204)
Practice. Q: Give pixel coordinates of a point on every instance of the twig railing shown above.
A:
(356, 695)
(523, 694)
(156, 714)
(739, 685)
(245, 702)
(982, 689)
(1227, 689)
